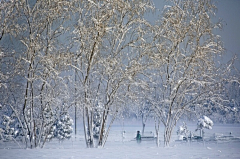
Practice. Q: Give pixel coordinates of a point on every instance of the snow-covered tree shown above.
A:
(118, 58)
(8, 132)
(184, 73)
(145, 113)
(63, 127)
(34, 58)
(50, 118)
(225, 108)
(231, 111)
(183, 130)
(107, 35)
(204, 123)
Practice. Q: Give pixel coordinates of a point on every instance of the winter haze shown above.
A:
(119, 79)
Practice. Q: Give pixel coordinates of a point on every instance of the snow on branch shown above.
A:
(204, 122)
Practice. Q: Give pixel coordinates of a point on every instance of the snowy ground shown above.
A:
(127, 148)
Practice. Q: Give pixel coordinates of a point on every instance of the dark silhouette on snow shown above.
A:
(138, 137)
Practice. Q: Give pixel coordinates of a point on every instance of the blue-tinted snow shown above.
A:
(118, 147)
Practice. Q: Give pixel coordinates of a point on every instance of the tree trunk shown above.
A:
(102, 128)
(157, 126)
(167, 135)
(110, 124)
(87, 125)
(89, 128)
(143, 125)
(85, 129)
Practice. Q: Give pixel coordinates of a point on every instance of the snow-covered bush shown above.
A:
(50, 124)
(182, 130)
(9, 131)
(204, 123)
(51, 133)
(63, 127)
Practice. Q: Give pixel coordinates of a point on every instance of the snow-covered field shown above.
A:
(118, 147)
